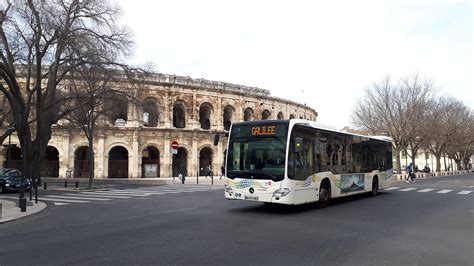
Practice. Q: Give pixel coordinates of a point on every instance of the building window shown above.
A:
(205, 111)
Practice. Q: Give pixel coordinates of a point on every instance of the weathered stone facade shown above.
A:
(189, 111)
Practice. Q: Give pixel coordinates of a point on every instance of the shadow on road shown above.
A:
(280, 209)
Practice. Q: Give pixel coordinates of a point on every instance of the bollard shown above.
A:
(45, 186)
(212, 180)
(1, 211)
(23, 205)
(65, 183)
(77, 184)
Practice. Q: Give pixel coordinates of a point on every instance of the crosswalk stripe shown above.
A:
(95, 196)
(157, 190)
(174, 192)
(64, 200)
(60, 203)
(392, 188)
(116, 192)
(464, 192)
(124, 194)
(79, 197)
(98, 194)
(425, 190)
(408, 189)
(444, 191)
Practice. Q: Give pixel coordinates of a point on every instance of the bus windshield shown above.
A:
(257, 151)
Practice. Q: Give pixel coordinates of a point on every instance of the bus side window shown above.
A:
(300, 165)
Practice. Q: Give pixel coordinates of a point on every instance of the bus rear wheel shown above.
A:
(324, 196)
(375, 187)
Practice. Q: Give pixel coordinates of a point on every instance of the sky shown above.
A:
(319, 53)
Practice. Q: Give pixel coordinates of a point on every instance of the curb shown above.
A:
(30, 211)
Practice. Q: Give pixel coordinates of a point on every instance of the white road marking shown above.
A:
(79, 197)
(425, 190)
(99, 197)
(122, 194)
(408, 189)
(444, 191)
(60, 203)
(98, 194)
(64, 200)
(470, 187)
(464, 192)
(392, 188)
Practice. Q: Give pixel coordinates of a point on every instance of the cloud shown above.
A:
(320, 53)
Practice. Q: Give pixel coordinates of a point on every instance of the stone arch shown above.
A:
(150, 162)
(50, 164)
(248, 114)
(117, 112)
(180, 162)
(292, 116)
(179, 115)
(205, 114)
(266, 114)
(151, 114)
(228, 116)
(118, 162)
(13, 158)
(81, 162)
(280, 116)
(205, 160)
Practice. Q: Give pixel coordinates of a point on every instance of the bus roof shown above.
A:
(312, 124)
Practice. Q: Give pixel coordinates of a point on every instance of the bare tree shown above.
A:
(461, 147)
(419, 98)
(445, 123)
(398, 110)
(42, 42)
(95, 94)
(381, 110)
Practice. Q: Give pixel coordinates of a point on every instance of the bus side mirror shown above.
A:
(298, 145)
(216, 139)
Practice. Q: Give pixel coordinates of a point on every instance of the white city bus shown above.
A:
(296, 162)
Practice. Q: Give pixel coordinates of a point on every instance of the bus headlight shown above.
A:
(228, 189)
(280, 193)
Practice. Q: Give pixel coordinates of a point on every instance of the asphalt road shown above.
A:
(185, 225)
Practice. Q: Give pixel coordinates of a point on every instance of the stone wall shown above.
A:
(166, 94)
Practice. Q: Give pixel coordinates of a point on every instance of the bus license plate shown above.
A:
(251, 198)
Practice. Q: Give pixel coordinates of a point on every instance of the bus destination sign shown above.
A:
(263, 131)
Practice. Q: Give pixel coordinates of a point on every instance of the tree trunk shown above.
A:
(458, 164)
(90, 155)
(438, 163)
(399, 164)
(445, 166)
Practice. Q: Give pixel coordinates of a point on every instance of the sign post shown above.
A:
(174, 147)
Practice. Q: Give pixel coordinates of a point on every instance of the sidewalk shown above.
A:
(107, 184)
(10, 210)
(192, 180)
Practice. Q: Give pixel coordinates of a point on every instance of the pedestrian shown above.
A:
(183, 173)
(211, 174)
(222, 172)
(208, 170)
(411, 175)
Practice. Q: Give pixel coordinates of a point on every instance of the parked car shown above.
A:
(10, 180)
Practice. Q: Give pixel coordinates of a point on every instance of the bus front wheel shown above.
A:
(324, 196)
(375, 187)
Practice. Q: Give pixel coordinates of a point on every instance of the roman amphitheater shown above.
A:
(136, 142)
